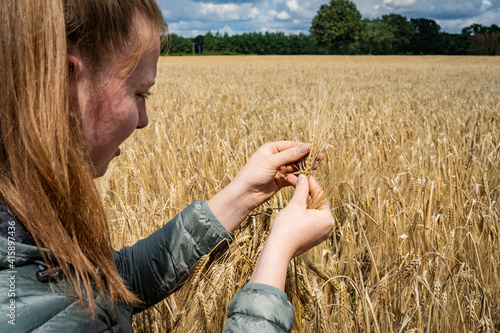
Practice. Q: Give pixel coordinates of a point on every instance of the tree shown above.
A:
(199, 43)
(426, 39)
(475, 29)
(337, 25)
(176, 45)
(403, 32)
(456, 44)
(378, 32)
(485, 38)
(210, 42)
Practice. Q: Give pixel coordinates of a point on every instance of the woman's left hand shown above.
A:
(268, 170)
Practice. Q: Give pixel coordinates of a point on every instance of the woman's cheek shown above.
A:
(129, 124)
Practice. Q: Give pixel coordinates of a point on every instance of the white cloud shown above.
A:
(486, 18)
(485, 5)
(227, 29)
(224, 12)
(293, 5)
(193, 17)
(432, 9)
(303, 8)
(399, 3)
(283, 15)
(254, 13)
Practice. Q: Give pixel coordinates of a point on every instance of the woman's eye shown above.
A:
(145, 95)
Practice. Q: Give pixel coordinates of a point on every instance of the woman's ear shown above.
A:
(76, 80)
(74, 67)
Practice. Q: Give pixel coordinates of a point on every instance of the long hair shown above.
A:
(45, 173)
(98, 37)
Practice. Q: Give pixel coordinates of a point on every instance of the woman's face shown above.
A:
(113, 106)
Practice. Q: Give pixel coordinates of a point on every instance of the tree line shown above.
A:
(338, 28)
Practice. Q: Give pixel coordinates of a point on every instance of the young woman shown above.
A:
(75, 75)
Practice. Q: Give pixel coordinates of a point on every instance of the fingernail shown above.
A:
(304, 148)
(301, 179)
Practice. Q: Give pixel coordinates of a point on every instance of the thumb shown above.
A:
(290, 155)
(301, 191)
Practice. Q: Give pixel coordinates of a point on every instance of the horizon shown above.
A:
(192, 18)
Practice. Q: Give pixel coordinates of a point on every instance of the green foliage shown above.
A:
(337, 25)
(456, 44)
(177, 45)
(403, 31)
(260, 43)
(475, 29)
(378, 33)
(338, 29)
(486, 40)
(426, 38)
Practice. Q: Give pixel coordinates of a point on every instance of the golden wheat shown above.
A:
(412, 154)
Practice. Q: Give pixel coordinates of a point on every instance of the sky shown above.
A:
(190, 18)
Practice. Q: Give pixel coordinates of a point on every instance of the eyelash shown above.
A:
(145, 95)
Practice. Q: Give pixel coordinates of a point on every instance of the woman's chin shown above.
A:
(99, 169)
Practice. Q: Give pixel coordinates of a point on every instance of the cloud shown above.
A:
(283, 15)
(298, 8)
(399, 3)
(432, 9)
(444, 9)
(456, 25)
(192, 17)
(224, 2)
(228, 12)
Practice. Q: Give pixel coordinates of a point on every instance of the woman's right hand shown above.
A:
(295, 230)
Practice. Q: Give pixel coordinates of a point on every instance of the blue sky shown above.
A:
(190, 18)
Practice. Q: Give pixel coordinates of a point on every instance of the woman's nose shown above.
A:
(143, 119)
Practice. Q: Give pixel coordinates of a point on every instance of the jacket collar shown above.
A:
(17, 247)
(11, 228)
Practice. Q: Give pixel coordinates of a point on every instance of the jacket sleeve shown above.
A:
(155, 266)
(259, 308)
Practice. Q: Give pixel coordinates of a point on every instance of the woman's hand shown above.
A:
(295, 230)
(269, 169)
(266, 172)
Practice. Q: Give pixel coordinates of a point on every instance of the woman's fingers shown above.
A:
(281, 146)
(315, 189)
(288, 169)
(317, 192)
(291, 179)
(301, 191)
(286, 154)
(293, 168)
(296, 228)
(289, 156)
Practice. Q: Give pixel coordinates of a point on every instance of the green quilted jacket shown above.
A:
(153, 268)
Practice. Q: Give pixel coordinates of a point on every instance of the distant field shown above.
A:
(412, 168)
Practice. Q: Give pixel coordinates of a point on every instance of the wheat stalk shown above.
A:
(398, 126)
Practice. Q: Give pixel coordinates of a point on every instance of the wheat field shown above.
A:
(412, 171)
